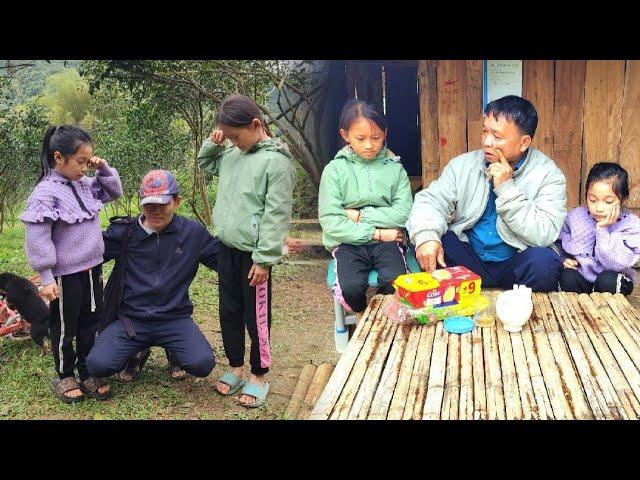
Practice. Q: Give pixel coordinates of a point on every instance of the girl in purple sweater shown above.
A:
(600, 242)
(64, 245)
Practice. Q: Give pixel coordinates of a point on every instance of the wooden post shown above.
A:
(452, 109)
(300, 391)
(538, 85)
(567, 124)
(630, 150)
(427, 76)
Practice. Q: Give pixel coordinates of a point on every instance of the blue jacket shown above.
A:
(160, 267)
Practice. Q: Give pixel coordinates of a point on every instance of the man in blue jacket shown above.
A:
(162, 258)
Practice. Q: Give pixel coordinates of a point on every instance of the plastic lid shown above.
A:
(458, 324)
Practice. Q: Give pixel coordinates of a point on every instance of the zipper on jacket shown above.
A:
(157, 258)
(485, 200)
(370, 187)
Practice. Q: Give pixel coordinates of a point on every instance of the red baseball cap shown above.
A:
(158, 186)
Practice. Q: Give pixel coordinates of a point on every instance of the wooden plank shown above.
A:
(466, 377)
(389, 378)
(302, 386)
(571, 381)
(345, 402)
(527, 397)
(479, 394)
(435, 389)
(576, 321)
(474, 104)
(630, 142)
(604, 84)
(595, 396)
(430, 153)
(626, 312)
(537, 87)
(327, 401)
(553, 382)
(622, 388)
(451, 395)
(542, 406)
(630, 372)
(364, 398)
(319, 381)
(452, 109)
(404, 377)
(626, 339)
(493, 376)
(567, 123)
(420, 374)
(512, 402)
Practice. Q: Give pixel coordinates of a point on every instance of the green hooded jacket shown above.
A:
(379, 188)
(255, 196)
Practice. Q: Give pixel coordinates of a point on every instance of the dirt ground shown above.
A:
(301, 333)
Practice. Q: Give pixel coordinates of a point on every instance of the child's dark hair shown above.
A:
(517, 109)
(607, 171)
(65, 139)
(239, 111)
(355, 109)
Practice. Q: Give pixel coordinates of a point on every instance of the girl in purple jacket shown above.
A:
(600, 242)
(63, 243)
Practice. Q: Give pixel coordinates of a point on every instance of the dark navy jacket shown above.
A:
(160, 267)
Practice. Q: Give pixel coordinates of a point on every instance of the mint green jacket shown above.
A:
(379, 188)
(255, 195)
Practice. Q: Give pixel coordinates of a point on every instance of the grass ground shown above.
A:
(302, 332)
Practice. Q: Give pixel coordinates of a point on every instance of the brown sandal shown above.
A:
(91, 387)
(62, 386)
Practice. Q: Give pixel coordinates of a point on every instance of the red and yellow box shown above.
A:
(446, 286)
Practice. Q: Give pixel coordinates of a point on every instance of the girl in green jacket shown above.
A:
(252, 216)
(364, 203)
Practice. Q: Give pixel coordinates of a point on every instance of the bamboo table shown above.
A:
(578, 357)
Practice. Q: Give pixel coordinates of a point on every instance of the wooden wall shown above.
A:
(588, 111)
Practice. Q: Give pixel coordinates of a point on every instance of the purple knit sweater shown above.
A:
(615, 248)
(61, 237)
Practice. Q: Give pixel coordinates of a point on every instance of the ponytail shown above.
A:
(46, 157)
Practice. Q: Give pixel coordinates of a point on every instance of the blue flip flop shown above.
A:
(256, 391)
(235, 382)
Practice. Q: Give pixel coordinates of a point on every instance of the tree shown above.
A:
(135, 136)
(67, 97)
(288, 93)
(21, 130)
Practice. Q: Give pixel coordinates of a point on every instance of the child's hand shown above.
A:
(218, 137)
(352, 214)
(611, 217)
(390, 235)
(50, 291)
(96, 163)
(257, 275)
(570, 263)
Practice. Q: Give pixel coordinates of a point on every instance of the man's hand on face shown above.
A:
(500, 171)
(429, 255)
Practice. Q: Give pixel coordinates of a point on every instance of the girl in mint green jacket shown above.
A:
(364, 203)
(252, 216)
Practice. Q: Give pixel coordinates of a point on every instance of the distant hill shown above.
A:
(30, 81)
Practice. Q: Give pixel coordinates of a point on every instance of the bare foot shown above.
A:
(249, 399)
(223, 388)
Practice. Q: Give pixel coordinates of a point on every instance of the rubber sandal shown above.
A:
(256, 391)
(176, 373)
(134, 366)
(62, 386)
(235, 382)
(91, 385)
